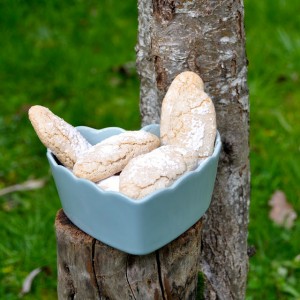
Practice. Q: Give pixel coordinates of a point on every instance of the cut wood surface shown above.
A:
(89, 269)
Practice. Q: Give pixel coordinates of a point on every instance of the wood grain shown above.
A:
(89, 269)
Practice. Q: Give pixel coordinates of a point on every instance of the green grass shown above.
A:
(273, 48)
(70, 57)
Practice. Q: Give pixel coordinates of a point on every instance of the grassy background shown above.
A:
(273, 47)
(72, 56)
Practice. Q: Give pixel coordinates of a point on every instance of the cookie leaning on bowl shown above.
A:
(188, 121)
(65, 142)
(112, 154)
(188, 117)
(156, 170)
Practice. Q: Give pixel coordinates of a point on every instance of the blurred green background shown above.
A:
(77, 58)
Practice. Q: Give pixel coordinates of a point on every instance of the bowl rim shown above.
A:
(148, 197)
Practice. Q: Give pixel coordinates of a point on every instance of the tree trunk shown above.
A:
(206, 37)
(89, 269)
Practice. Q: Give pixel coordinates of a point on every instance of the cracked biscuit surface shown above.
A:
(112, 154)
(156, 170)
(188, 117)
(65, 141)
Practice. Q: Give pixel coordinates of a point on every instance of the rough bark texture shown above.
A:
(207, 37)
(89, 269)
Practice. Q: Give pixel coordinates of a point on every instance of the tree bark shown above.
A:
(206, 37)
(89, 269)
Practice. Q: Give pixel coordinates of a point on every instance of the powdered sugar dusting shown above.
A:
(154, 170)
(77, 142)
(194, 137)
(57, 135)
(112, 154)
(188, 115)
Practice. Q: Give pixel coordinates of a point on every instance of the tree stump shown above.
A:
(89, 269)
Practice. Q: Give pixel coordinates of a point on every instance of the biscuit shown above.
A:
(110, 183)
(155, 170)
(188, 117)
(66, 143)
(112, 154)
(189, 156)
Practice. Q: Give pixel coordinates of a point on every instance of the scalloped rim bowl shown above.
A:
(135, 226)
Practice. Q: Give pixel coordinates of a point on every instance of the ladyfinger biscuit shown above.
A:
(188, 117)
(66, 143)
(112, 155)
(156, 170)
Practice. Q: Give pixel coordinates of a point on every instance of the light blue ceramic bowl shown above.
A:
(136, 227)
